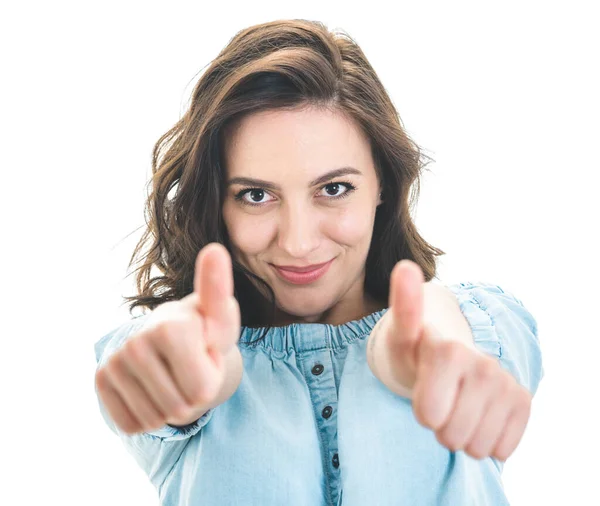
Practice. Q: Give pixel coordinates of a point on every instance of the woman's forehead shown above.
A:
(273, 145)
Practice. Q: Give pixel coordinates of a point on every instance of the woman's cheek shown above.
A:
(350, 226)
(250, 233)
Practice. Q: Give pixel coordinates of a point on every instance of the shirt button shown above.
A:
(317, 369)
(335, 461)
(326, 413)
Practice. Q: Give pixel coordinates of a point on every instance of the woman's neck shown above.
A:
(339, 314)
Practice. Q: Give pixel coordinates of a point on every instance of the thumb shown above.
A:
(213, 284)
(406, 304)
(213, 279)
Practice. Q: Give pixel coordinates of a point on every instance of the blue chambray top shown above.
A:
(310, 425)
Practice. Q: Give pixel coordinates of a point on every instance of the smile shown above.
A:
(302, 278)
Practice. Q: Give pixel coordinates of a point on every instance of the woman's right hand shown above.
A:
(175, 365)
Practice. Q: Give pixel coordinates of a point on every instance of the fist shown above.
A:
(174, 366)
(469, 400)
(463, 395)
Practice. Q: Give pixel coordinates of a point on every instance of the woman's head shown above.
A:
(285, 102)
(284, 205)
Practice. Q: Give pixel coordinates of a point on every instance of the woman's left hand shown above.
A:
(462, 394)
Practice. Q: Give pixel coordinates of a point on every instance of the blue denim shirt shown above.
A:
(310, 425)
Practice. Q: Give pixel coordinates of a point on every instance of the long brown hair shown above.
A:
(284, 64)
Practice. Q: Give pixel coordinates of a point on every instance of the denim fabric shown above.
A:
(310, 425)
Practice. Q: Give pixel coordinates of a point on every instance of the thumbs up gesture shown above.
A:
(463, 395)
(184, 360)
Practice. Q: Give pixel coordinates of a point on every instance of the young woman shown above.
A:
(298, 350)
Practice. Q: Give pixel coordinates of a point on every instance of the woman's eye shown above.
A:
(332, 189)
(256, 195)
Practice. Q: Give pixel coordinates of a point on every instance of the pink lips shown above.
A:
(301, 276)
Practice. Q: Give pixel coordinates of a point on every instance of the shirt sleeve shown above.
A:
(503, 328)
(104, 348)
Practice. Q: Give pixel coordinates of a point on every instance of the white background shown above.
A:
(503, 96)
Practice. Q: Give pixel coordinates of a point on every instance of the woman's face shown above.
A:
(288, 218)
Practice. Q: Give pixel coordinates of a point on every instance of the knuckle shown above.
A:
(154, 422)
(102, 379)
(502, 454)
(148, 416)
(423, 414)
(450, 351)
(166, 334)
(524, 400)
(417, 410)
(476, 453)
(123, 427)
(448, 440)
(506, 388)
(197, 395)
(163, 328)
(476, 450)
(128, 428)
(442, 439)
(182, 411)
(422, 418)
(135, 350)
(114, 366)
(485, 369)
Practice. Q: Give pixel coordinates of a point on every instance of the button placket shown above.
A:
(323, 392)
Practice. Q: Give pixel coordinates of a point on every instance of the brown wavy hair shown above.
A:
(284, 64)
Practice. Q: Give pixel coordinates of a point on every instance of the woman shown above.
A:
(360, 380)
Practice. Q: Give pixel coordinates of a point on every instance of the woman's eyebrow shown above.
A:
(272, 186)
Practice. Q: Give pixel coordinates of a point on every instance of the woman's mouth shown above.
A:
(302, 278)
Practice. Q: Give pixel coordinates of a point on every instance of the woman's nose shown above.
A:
(298, 232)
